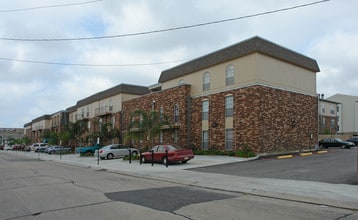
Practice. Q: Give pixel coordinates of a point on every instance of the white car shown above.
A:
(34, 146)
(115, 151)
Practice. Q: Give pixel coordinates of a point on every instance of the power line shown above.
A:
(165, 30)
(90, 65)
(48, 6)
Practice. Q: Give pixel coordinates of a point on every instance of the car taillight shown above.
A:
(100, 151)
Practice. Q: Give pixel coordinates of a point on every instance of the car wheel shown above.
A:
(184, 161)
(110, 156)
(165, 160)
(102, 158)
(143, 159)
(343, 146)
(51, 152)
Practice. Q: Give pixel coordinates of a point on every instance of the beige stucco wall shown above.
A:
(250, 70)
(284, 75)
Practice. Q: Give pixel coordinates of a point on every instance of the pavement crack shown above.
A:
(346, 215)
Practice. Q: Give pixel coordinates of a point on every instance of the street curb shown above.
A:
(285, 156)
(306, 154)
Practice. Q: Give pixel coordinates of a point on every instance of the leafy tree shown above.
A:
(106, 133)
(146, 124)
(75, 131)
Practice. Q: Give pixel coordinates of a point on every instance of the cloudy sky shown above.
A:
(43, 77)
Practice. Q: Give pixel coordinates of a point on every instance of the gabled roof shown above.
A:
(121, 88)
(252, 45)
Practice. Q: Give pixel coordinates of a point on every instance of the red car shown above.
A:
(175, 154)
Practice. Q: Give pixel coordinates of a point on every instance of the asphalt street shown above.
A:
(33, 188)
(337, 166)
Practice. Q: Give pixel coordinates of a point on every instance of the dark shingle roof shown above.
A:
(252, 45)
(41, 118)
(122, 88)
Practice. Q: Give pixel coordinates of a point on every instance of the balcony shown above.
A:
(83, 116)
(104, 110)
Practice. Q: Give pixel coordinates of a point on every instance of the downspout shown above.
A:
(188, 122)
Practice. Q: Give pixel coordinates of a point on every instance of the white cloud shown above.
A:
(326, 32)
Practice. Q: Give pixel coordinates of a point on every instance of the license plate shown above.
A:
(185, 158)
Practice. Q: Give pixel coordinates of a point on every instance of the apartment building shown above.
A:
(347, 114)
(253, 94)
(39, 126)
(103, 109)
(328, 116)
(59, 120)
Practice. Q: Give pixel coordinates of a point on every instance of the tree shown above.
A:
(75, 131)
(146, 124)
(106, 133)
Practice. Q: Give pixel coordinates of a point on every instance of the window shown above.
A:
(205, 140)
(230, 72)
(333, 123)
(323, 109)
(229, 106)
(110, 105)
(176, 113)
(205, 110)
(229, 139)
(332, 110)
(206, 81)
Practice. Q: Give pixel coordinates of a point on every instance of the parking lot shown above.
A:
(338, 166)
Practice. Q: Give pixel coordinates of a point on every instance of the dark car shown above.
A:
(335, 142)
(354, 140)
(175, 154)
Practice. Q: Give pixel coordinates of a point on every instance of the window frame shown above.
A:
(229, 139)
(205, 110)
(229, 109)
(205, 140)
(206, 81)
(230, 75)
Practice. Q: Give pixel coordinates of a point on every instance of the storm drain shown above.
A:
(167, 199)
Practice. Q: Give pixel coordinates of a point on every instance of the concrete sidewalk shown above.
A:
(336, 195)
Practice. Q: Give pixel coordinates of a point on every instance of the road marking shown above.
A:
(284, 156)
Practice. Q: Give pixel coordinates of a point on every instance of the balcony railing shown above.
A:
(104, 110)
(83, 116)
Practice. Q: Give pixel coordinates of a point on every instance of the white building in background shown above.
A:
(347, 112)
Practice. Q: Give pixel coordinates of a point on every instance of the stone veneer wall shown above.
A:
(265, 120)
(167, 99)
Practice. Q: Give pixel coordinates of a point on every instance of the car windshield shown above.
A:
(338, 139)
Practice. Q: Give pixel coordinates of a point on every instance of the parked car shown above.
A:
(335, 142)
(89, 150)
(34, 146)
(57, 149)
(41, 149)
(115, 151)
(354, 140)
(8, 147)
(175, 154)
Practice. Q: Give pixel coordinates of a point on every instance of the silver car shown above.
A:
(115, 151)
